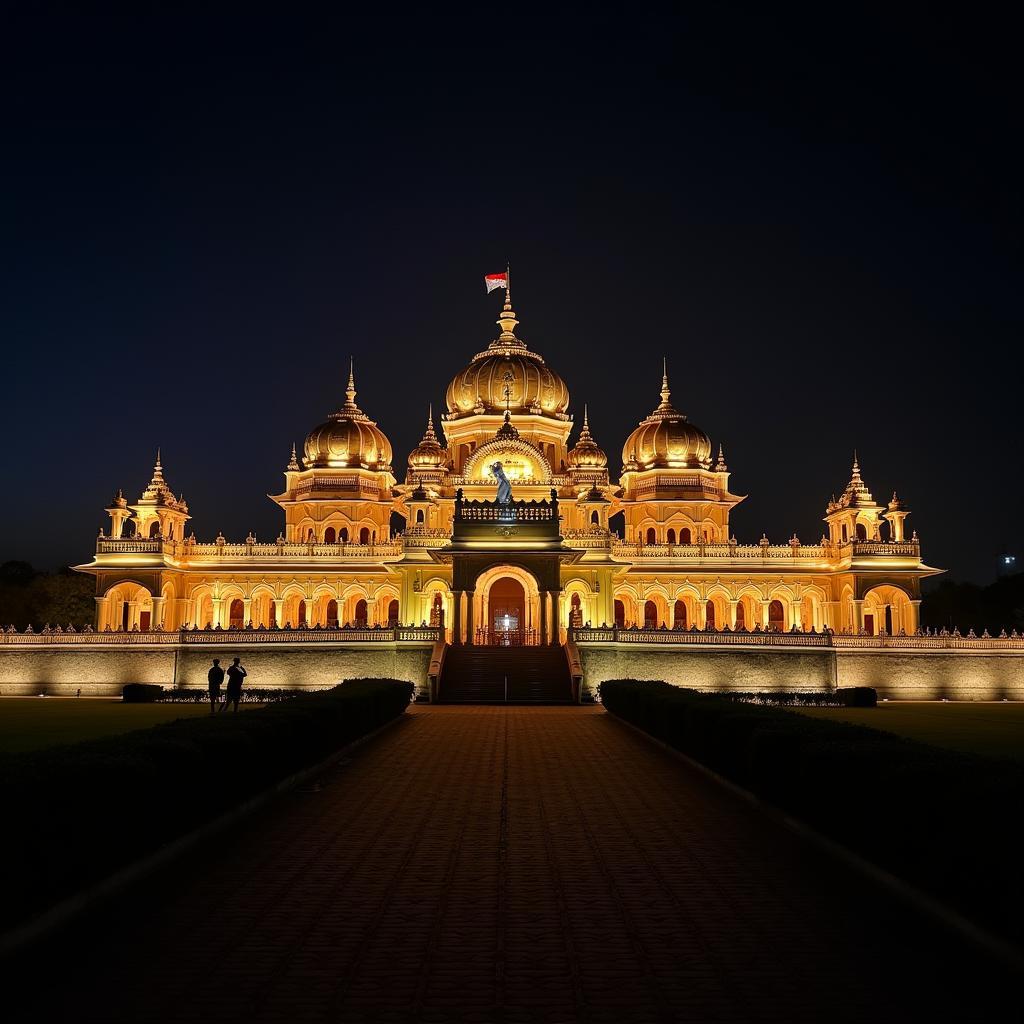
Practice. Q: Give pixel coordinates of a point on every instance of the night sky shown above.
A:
(818, 222)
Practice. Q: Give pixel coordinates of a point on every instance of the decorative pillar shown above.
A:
(470, 595)
(671, 615)
(216, 602)
(553, 634)
(246, 611)
(913, 616)
(278, 612)
(858, 616)
(457, 616)
(102, 613)
(766, 613)
(702, 614)
(157, 616)
(733, 605)
(133, 615)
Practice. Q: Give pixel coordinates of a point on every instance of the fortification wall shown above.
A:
(102, 671)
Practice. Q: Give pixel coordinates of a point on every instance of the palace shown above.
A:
(651, 550)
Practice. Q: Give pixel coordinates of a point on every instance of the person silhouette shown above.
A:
(235, 676)
(215, 677)
(504, 495)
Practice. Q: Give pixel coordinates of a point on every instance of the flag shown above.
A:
(493, 281)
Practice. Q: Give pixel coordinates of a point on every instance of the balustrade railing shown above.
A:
(795, 638)
(262, 635)
(190, 550)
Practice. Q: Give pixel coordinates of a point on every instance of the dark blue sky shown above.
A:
(817, 221)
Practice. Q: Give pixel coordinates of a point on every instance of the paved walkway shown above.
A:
(512, 864)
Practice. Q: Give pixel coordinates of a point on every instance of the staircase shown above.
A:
(477, 675)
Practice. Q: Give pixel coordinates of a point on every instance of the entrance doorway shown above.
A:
(506, 614)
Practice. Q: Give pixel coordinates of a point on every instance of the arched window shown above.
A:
(332, 613)
(650, 615)
(595, 519)
(620, 614)
(846, 536)
(154, 528)
(670, 536)
(310, 536)
(709, 615)
(652, 535)
(343, 535)
(419, 515)
(128, 528)
(741, 616)
(364, 535)
(236, 613)
(360, 615)
(685, 536)
(862, 533)
(301, 613)
(680, 615)
(124, 616)
(393, 613)
(575, 611)
(330, 535)
(776, 616)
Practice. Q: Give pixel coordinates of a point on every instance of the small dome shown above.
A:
(667, 440)
(586, 454)
(429, 453)
(507, 362)
(348, 439)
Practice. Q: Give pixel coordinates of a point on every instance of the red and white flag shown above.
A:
(493, 281)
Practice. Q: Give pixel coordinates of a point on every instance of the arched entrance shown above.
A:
(506, 613)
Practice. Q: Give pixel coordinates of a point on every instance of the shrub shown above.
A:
(857, 696)
(250, 695)
(852, 697)
(943, 821)
(141, 693)
(81, 811)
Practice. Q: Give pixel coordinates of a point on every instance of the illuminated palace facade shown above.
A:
(650, 550)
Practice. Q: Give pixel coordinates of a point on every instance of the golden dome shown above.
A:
(586, 454)
(507, 362)
(667, 440)
(348, 439)
(429, 453)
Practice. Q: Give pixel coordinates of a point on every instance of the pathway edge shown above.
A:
(1004, 951)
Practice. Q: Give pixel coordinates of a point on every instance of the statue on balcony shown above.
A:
(504, 495)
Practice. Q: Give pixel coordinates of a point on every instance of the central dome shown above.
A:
(667, 440)
(532, 387)
(349, 439)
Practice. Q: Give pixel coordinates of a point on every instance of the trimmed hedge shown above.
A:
(141, 693)
(76, 813)
(250, 694)
(944, 821)
(844, 697)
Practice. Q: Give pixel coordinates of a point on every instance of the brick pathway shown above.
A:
(511, 864)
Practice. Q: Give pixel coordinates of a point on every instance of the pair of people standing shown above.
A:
(215, 677)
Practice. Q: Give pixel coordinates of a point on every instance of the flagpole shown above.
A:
(508, 281)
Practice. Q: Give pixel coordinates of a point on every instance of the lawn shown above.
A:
(993, 729)
(30, 723)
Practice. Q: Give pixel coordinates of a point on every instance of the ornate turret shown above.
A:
(666, 439)
(348, 439)
(429, 454)
(855, 515)
(586, 454)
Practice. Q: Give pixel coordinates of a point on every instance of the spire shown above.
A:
(158, 469)
(720, 466)
(855, 476)
(293, 462)
(428, 434)
(666, 392)
(585, 431)
(507, 321)
(350, 391)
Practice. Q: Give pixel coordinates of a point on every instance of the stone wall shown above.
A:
(703, 668)
(102, 671)
(897, 674)
(924, 675)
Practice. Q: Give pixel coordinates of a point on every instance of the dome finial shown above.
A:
(666, 392)
(428, 434)
(507, 321)
(293, 462)
(720, 465)
(158, 470)
(350, 391)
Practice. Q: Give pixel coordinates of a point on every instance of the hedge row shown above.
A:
(945, 822)
(843, 697)
(151, 693)
(77, 813)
